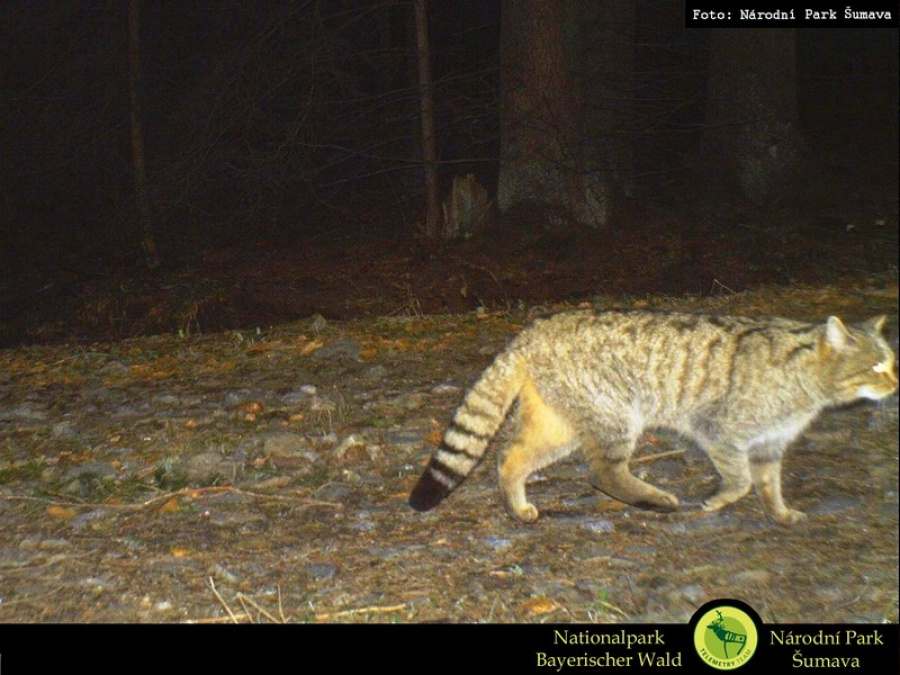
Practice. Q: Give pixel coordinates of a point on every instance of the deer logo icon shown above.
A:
(727, 636)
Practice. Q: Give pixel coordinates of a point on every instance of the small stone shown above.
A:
(597, 525)
(346, 348)
(285, 444)
(64, 431)
(498, 543)
(320, 571)
(220, 573)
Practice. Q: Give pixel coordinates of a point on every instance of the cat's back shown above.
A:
(669, 361)
(643, 336)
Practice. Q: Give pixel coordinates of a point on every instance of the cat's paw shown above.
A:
(527, 513)
(789, 517)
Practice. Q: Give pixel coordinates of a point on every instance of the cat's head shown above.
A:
(858, 360)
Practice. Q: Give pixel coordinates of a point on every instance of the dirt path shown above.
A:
(264, 475)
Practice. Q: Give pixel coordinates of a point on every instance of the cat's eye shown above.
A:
(886, 370)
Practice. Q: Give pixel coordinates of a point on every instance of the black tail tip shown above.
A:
(427, 493)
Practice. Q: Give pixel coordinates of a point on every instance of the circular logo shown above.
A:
(725, 635)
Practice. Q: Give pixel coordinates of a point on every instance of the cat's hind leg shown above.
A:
(608, 460)
(542, 437)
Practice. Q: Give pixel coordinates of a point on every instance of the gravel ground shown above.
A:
(263, 476)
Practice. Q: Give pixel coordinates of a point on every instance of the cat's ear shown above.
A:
(836, 333)
(876, 324)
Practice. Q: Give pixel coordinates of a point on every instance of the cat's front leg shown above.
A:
(765, 470)
(734, 472)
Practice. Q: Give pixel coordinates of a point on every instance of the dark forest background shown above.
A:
(290, 130)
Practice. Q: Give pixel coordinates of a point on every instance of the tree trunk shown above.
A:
(142, 194)
(606, 48)
(752, 146)
(541, 160)
(433, 227)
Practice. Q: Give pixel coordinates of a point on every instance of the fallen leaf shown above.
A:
(61, 512)
(170, 506)
(539, 605)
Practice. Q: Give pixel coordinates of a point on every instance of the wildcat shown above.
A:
(742, 388)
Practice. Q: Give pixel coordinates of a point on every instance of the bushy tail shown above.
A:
(474, 424)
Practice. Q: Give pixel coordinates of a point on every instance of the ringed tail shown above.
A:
(475, 422)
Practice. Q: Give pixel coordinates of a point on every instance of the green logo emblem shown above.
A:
(725, 637)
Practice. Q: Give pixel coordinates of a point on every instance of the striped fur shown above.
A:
(742, 388)
(472, 428)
